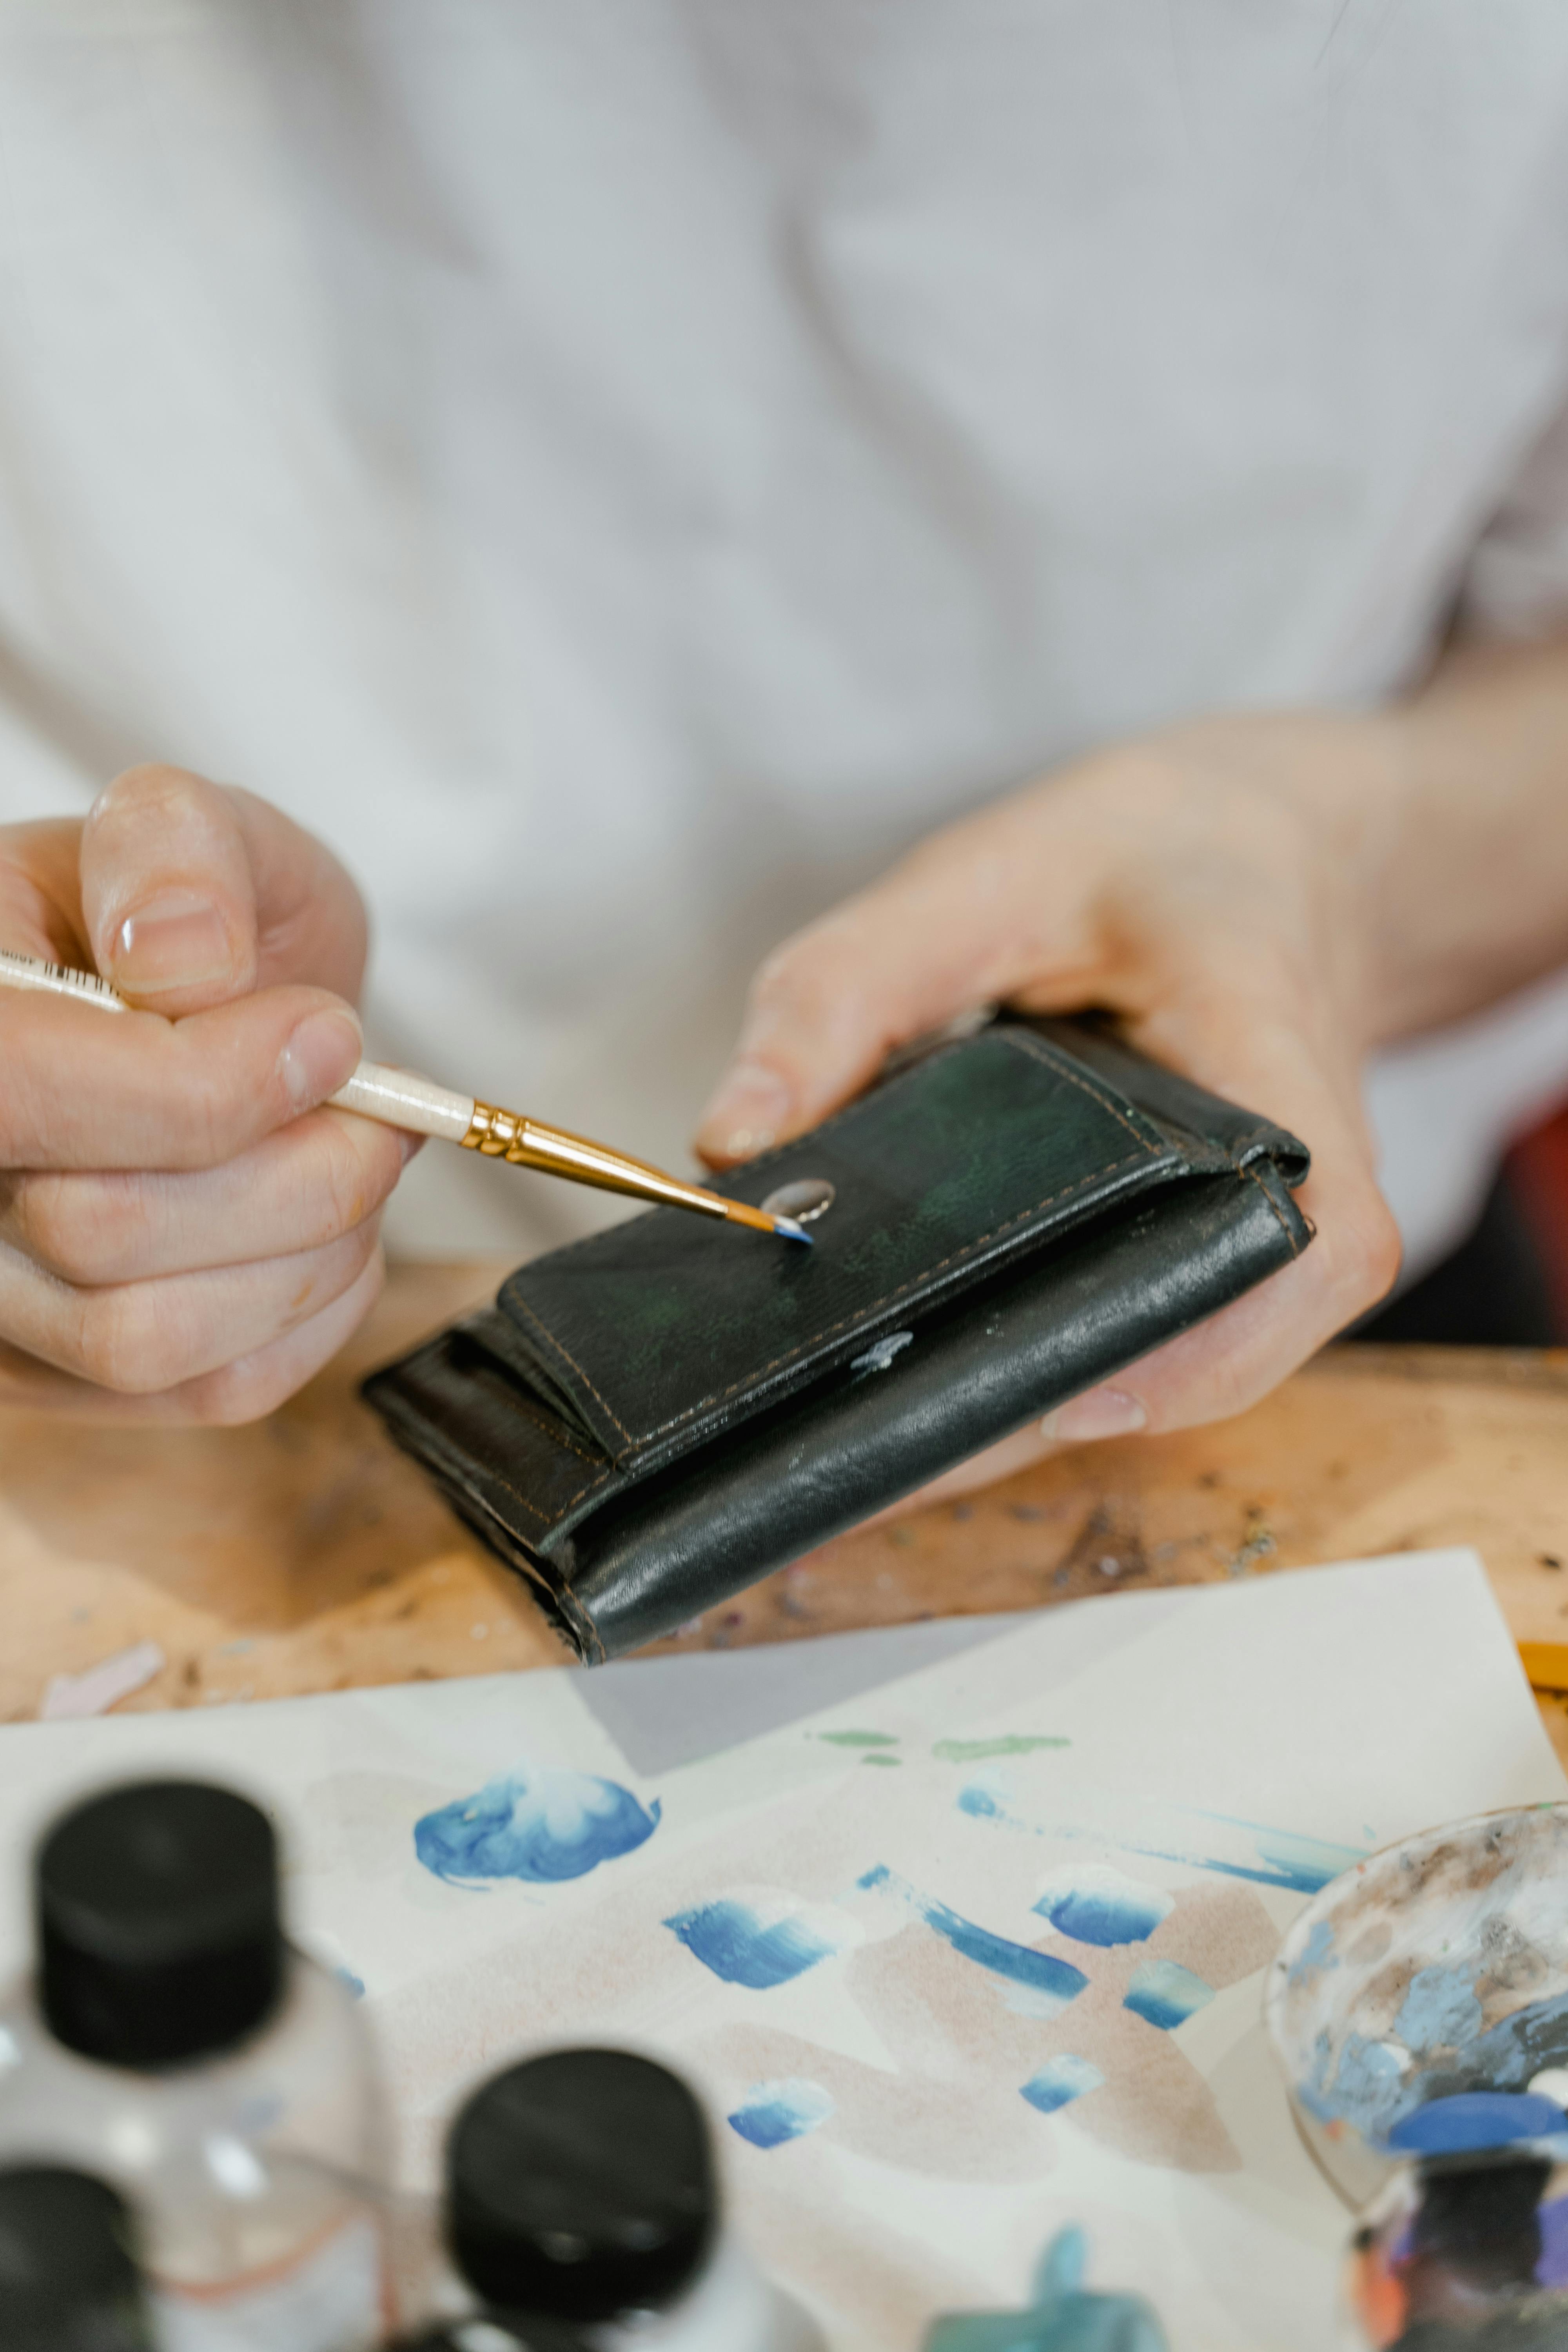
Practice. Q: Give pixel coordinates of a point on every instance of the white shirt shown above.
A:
(623, 469)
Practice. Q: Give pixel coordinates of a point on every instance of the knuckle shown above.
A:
(151, 785)
(348, 1182)
(81, 1228)
(217, 1109)
(805, 968)
(124, 1342)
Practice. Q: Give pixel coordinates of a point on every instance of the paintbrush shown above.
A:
(401, 1098)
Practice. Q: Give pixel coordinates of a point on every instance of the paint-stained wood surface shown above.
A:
(304, 1554)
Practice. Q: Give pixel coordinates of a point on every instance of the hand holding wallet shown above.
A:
(650, 1420)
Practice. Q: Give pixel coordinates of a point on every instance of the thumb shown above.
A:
(938, 937)
(193, 893)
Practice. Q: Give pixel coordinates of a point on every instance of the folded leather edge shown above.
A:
(673, 1544)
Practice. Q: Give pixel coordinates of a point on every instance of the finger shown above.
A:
(1217, 1370)
(245, 1390)
(84, 1088)
(140, 1337)
(1253, 1049)
(960, 924)
(193, 893)
(1227, 1364)
(307, 1184)
(40, 892)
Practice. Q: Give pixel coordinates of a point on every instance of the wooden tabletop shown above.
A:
(304, 1554)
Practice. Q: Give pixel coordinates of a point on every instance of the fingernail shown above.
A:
(1098, 1413)
(747, 1112)
(178, 941)
(318, 1057)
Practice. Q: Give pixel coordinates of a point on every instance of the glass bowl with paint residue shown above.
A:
(1419, 2004)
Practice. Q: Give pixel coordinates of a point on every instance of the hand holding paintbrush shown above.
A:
(188, 1228)
(402, 1098)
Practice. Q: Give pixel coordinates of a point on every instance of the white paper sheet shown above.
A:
(1180, 1768)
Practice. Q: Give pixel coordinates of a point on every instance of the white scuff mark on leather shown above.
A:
(880, 1353)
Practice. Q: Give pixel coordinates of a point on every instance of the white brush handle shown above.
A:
(401, 1098)
(396, 1097)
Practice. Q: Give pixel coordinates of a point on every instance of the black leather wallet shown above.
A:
(650, 1420)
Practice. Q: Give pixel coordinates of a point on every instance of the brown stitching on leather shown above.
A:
(550, 1520)
(553, 1341)
(548, 1428)
(848, 1322)
(1038, 1049)
(1023, 1040)
(1253, 1177)
(496, 1478)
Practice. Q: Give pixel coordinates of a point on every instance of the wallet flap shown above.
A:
(651, 1336)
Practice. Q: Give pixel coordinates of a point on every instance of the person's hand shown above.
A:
(183, 1235)
(1208, 888)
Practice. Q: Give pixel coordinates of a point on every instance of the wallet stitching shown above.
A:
(550, 1519)
(550, 1338)
(845, 1322)
(549, 1431)
(547, 1518)
(1022, 1041)
(1253, 1177)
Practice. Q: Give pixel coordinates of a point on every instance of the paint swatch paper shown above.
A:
(963, 1944)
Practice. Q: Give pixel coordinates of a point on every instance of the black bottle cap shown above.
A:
(160, 1938)
(68, 2278)
(579, 2185)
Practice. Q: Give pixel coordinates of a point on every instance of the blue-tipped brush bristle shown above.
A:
(792, 1231)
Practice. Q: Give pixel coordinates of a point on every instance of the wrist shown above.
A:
(1317, 805)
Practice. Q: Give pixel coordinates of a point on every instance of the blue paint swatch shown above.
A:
(1314, 1954)
(1301, 1866)
(742, 1947)
(1439, 2010)
(1368, 2087)
(773, 2113)
(1061, 2081)
(1099, 1905)
(1165, 1994)
(541, 1824)
(1475, 2119)
(1052, 1982)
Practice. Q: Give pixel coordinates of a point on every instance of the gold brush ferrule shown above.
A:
(494, 1132)
(524, 1143)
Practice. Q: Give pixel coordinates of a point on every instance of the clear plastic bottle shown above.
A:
(1466, 2251)
(68, 2280)
(173, 2041)
(581, 2210)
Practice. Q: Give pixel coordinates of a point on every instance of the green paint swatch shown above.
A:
(881, 1759)
(973, 1751)
(859, 1739)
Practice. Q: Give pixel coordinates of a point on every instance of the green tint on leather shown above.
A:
(651, 1419)
(658, 1329)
